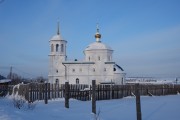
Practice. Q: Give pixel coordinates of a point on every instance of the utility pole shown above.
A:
(176, 80)
(10, 74)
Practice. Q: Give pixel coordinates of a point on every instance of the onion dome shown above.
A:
(98, 35)
(98, 45)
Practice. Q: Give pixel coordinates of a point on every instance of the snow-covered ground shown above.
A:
(153, 108)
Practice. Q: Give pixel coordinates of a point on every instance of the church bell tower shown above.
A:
(56, 57)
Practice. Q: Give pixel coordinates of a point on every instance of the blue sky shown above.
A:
(145, 35)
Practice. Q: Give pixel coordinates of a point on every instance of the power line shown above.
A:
(29, 74)
(12, 69)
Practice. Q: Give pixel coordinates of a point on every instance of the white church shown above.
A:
(97, 64)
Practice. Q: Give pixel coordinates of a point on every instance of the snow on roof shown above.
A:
(2, 77)
(98, 46)
(57, 37)
(5, 80)
(77, 62)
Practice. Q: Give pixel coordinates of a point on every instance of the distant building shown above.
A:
(4, 85)
(2, 77)
(97, 65)
(3, 80)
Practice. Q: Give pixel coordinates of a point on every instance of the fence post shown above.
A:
(163, 89)
(138, 102)
(46, 97)
(111, 90)
(67, 94)
(94, 96)
(30, 94)
(49, 91)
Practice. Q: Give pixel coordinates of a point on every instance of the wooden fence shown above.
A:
(3, 89)
(37, 91)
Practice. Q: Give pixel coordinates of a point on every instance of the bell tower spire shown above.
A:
(58, 28)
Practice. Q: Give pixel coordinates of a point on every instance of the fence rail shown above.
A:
(37, 91)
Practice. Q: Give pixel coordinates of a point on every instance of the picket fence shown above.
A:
(38, 91)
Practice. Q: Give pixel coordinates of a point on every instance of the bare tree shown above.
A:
(40, 79)
(15, 78)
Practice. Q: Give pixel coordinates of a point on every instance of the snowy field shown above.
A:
(153, 108)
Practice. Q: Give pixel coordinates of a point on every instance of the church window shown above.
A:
(52, 48)
(62, 48)
(57, 47)
(122, 81)
(73, 70)
(77, 80)
(99, 58)
(57, 81)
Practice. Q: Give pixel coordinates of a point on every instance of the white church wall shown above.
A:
(119, 78)
(98, 55)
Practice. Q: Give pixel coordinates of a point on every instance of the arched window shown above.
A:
(57, 47)
(62, 48)
(57, 81)
(109, 58)
(77, 80)
(52, 48)
(99, 58)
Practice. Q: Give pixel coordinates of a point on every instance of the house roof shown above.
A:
(5, 80)
(2, 77)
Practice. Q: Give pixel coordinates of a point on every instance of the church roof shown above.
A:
(97, 46)
(57, 37)
(118, 69)
(77, 62)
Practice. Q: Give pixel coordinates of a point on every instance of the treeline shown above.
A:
(16, 79)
